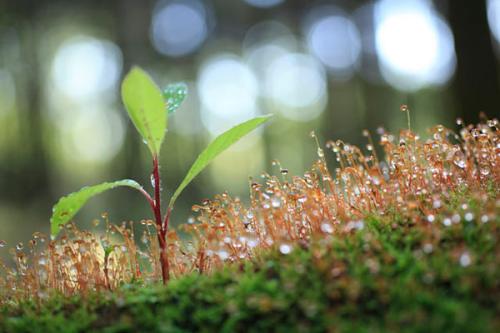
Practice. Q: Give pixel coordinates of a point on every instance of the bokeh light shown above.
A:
(264, 3)
(494, 18)
(92, 136)
(85, 72)
(85, 66)
(228, 92)
(265, 42)
(414, 44)
(295, 85)
(179, 27)
(334, 39)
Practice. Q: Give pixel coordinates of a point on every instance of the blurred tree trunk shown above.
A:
(26, 174)
(476, 83)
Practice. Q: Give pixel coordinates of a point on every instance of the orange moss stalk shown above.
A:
(416, 180)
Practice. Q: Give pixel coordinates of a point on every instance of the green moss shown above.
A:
(385, 277)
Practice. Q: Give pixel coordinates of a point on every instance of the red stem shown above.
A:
(148, 197)
(157, 202)
(161, 228)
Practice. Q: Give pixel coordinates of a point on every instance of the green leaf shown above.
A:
(174, 94)
(145, 106)
(69, 205)
(221, 143)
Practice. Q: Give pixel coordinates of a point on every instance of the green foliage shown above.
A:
(377, 279)
(221, 143)
(69, 205)
(148, 108)
(144, 103)
(174, 94)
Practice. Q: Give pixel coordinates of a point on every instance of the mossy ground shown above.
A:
(391, 275)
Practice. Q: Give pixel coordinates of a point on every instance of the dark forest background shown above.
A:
(62, 124)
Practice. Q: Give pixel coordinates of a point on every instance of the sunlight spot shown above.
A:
(494, 18)
(84, 67)
(334, 39)
(414, 44)
(228, 92)
(296, 86)
(179, 27)
(93, 136)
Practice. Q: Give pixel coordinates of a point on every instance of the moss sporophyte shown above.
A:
(426, 209)
(149, 108)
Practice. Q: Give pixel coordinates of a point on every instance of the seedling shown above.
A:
(148, 108)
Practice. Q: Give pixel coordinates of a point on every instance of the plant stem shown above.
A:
(106, 271)
(408, 119)
(148, 198)
(161, 228)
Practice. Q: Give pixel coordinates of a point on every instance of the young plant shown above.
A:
(148, 109)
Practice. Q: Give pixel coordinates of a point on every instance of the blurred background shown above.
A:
(336, 67)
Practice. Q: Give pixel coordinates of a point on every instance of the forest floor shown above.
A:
(387, 274)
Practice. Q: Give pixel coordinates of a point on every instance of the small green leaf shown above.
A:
(221, 143)
(174, 94)
(145, 106)
(69, 205)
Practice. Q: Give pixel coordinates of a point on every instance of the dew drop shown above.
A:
(252, 242)
(152, 179)
(447, 221)
(223, 254)
(326, 228)
(144, 238)
(275, 202)
(105, 243)
(285, 248)
(403, 108)
(2, 243)
(19, 246)
(459, 162)
(302, 199)
(469, 216)
(428, 248)
(485, 171)
(465, 259)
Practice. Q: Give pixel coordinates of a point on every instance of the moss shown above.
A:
(391, 275)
